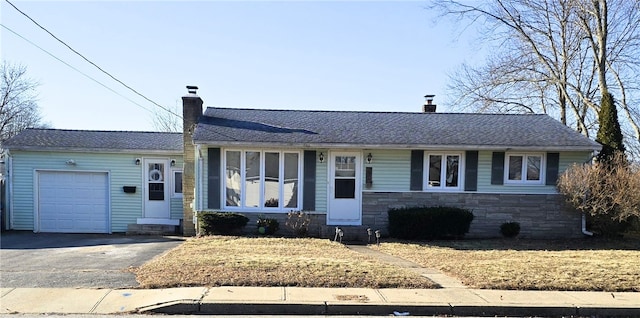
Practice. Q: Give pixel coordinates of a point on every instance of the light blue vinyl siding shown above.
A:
(322, 182)
(125, 208)
(176, 202)
(391, 170)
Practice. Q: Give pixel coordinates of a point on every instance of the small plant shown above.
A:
(271, 203)
(298, 222)
(510, 229)
(221, 222)
(267, 226)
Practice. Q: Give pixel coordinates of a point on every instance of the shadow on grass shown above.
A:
(590, 243)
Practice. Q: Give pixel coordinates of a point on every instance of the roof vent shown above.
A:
(192, 89)
(429, 107)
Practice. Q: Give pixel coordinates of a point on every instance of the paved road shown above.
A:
(76, 260)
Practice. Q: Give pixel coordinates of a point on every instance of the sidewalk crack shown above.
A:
(100, 301)
(384, 299)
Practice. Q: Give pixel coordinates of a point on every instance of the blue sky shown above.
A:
(378, 56)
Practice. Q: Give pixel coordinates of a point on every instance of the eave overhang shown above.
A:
(240, 144)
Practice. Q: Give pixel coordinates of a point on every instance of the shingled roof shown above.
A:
(93, 140)
(333, 129)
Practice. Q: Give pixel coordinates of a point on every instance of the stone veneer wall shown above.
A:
(539, 215)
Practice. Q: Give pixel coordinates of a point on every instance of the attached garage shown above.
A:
(72, 202)
(84, 181)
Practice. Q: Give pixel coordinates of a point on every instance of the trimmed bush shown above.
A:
(221, 222)
(510, 229)
(426, 223)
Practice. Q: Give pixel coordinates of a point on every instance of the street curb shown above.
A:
(325, 308)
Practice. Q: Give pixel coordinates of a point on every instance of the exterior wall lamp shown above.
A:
(369, 158)
(321, 157)
(173, 162)
(138, 161)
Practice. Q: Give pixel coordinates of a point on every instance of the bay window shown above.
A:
(262, 179)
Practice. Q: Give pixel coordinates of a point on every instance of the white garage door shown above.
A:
(73, 202)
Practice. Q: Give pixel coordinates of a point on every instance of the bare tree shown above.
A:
(19, 109)
(553, 56)
(168, 120)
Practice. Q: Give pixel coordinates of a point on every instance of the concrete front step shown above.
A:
(151, 229)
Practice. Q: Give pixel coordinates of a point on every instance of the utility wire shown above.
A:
(90, 62)
(75, 69)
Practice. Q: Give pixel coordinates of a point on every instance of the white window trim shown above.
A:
(174, 194)
(442, 187)
(281, 209)
(524, 181)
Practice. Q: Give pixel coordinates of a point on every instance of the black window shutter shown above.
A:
(553, 163)
(213, 189)
(471, 171)
(497, 168)
(417, 161)
(309, 181)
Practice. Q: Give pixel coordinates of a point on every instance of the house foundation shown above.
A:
(541, 216)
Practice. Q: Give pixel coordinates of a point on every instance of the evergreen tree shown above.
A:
(609, 133)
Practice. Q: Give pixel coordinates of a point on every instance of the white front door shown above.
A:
(345, 205)
(156, 189)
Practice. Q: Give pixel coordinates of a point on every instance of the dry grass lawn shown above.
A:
(590, 264)
(242, 261)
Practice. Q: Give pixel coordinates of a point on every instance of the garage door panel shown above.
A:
(73, 202)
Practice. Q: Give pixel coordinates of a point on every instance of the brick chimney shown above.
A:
(429, 107)
(191, 111)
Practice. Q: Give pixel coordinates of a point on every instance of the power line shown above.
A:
(75, 69)
(90, 62)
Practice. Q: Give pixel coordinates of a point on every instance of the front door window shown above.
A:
(156, 181)
(345, 177)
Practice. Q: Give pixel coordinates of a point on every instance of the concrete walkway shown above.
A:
(317, 301)
(436, 276)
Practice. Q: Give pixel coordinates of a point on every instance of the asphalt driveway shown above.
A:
(76, 260)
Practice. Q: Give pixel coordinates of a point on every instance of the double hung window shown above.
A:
(262, 179)
(524, 168)
(443, 171)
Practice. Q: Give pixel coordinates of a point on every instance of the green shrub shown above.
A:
(221, 222)
(267, 226)
(424, 223)
(510, 229)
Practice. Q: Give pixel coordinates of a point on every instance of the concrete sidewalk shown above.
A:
(318, 301)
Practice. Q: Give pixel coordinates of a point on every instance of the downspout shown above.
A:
(584, 215)
(584, 226)
(9, 189)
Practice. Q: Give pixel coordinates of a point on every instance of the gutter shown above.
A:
(393, 146)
